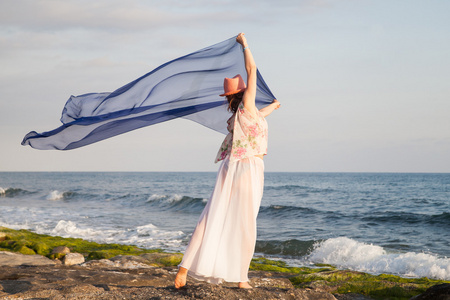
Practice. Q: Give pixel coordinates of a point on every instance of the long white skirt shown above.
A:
(222, 245)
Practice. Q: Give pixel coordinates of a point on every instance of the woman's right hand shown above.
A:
(241, 39)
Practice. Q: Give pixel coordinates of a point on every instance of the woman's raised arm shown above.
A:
(250, 92)
(267, 110)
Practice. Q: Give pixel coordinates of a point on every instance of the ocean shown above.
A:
(371, 222)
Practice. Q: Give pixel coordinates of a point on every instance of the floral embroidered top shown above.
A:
(247, 136)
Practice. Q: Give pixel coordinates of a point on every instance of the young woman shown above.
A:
(223, 243)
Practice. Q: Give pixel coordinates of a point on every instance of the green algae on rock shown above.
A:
(324, 277)
(163, 259)
(321, 277)
(24, 250)
(381, 286)
(27, 242)
(264, 264)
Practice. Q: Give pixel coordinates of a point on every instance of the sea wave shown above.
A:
(13, 192)
(165, 198)
(347, 253)
(177, 202)
(291, 247)
(408, 218)
(70, 229)
(286, 210)
(150, 235)
(286, 187)
(57, 195)
(294, 188)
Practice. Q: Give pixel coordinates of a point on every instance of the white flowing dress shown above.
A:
(223, 242)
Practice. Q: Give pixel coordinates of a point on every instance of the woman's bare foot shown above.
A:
(245, 285)
(180, 279)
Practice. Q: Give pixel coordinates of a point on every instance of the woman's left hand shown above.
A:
(277, 103)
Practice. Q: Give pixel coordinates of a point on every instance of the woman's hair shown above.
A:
(233, 101)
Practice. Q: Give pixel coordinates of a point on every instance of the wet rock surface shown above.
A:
(78, 282)
(128, 278)
(437, 292)
(137, 277)
(17, 259)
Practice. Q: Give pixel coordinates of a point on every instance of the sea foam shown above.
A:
(70, 229)
(165, 198)
(346, 253)
(55, 195)
(147, 236)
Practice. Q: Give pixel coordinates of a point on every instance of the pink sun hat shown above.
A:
(233, 85)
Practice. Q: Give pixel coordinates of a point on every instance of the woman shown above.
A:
(223, 243)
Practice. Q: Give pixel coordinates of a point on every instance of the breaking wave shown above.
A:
(57, 195)
(146, 236)
(13, 192)
(347, 253)
(177, 202)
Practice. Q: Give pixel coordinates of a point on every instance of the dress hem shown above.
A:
(210, 279)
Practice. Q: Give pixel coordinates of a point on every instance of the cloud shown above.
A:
(107, 15)
(60, 15)
(139, 15)
(31, 26)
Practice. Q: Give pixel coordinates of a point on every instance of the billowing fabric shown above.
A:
(187, 87)
(223, 243)
(248, 135)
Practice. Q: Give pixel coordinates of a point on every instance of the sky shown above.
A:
(364, 85)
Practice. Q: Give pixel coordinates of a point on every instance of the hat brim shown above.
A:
(233, 92)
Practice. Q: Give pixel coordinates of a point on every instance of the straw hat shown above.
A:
(233, 85)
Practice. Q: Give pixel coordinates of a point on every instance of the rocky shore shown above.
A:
(63, 274)
(127, 277)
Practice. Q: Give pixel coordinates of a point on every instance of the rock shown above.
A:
(119, 261)
(130, 261)
(16, 286)
(115, 279)
(60, 250)
(40, 248)
(17, 259)
(24, 250)
(2, 236)
(100, 263)
(436, 292)
(73, 259)
(106, 282)
(162, 259)
(351, 296)
(284, 283)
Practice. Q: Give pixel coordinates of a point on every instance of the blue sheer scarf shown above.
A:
(186, 87)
